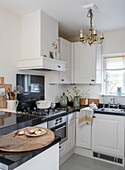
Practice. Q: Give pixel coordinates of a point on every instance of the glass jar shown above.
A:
(76, 102)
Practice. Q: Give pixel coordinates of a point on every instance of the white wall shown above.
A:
(9, 44)
(114, 42)
(54, 92)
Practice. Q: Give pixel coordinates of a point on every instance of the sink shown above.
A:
(111, 110)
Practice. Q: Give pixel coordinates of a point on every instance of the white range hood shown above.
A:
(41, 63)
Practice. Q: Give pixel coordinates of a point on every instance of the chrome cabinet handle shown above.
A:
(55, 130)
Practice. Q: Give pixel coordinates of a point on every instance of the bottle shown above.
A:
(63, 101)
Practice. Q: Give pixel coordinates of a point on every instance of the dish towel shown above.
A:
(85, 116)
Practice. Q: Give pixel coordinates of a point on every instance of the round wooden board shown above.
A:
(24, 143)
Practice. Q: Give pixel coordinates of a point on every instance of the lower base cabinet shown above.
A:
(62, 149)
(83, 135)
(71, 134)
(108, 135)
(49, 160)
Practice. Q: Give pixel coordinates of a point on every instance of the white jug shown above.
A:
(12, 104)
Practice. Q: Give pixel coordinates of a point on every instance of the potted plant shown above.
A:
(76, 96)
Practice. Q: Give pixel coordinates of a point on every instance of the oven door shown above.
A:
(61, 131)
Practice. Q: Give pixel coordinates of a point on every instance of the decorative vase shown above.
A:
(63, 101)
(76, 102)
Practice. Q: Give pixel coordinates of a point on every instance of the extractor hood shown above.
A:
(41, 63)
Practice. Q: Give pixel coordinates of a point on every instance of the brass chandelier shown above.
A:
(92, 37)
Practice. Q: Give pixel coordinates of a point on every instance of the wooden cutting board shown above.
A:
(23, 143)
(96, 101)
(3, 103)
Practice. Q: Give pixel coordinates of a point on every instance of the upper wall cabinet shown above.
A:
(39, 31)
(65, 55)
(86, 64)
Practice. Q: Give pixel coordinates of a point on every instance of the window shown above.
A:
(114, 74)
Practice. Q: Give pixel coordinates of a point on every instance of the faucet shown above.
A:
(113, 101)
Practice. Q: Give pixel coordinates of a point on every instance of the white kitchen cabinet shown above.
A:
(65, 55)
(83, 135)
(49, 160)
(39, 31)
(62, 149)
(71, 131)
(85, 64)
(108, 135)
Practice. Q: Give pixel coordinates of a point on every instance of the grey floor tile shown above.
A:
(77, 162)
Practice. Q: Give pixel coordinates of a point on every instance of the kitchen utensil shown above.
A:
(43, 104)
(16, 133)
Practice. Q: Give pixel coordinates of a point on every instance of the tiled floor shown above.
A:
(77, 162)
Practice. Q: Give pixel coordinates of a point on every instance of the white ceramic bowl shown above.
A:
(43, 104)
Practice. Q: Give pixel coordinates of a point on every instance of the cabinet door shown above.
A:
(62, 149)
(84, 63)
(83, 135)
(71, 134)
(108, 135)
(49, 34)
(65, 55)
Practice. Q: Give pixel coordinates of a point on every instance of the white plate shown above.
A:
(43, 131)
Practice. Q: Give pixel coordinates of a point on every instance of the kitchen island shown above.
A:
(46, 157)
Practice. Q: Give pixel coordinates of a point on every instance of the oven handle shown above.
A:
(55, 130)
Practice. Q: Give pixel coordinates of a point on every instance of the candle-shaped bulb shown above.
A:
(102, 36)
(81, 34)
(94, 32)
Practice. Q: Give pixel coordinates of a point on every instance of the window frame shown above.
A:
(104, 74)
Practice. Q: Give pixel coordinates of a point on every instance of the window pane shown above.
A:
(114, 79)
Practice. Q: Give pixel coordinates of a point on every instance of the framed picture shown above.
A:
(51, 54)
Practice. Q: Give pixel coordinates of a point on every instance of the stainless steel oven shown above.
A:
(60, 127)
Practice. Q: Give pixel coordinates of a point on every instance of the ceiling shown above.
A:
(109, 15)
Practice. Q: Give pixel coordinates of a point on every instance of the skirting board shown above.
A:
(65, 157)
(83, 152)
